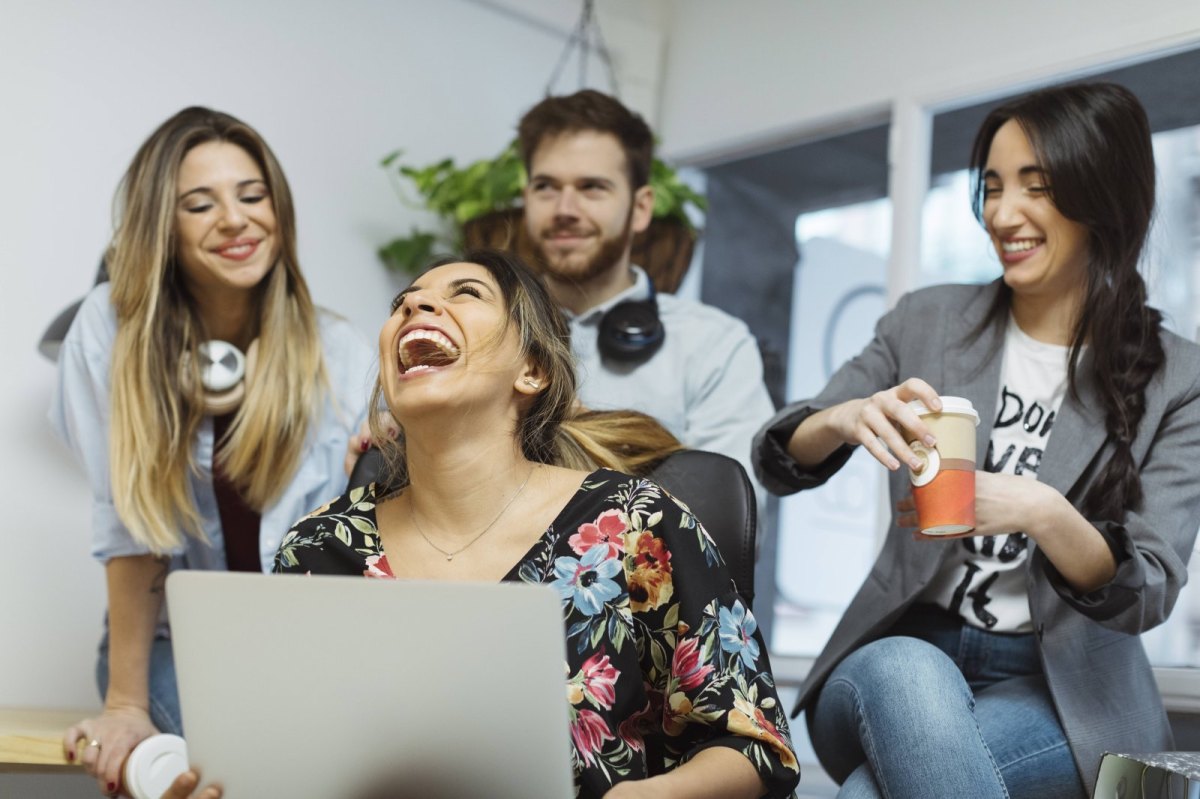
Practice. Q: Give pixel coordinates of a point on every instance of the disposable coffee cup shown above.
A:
(944, 487)
(153, 765)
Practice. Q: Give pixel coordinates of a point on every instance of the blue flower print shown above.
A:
(587, 581)
(737, 633)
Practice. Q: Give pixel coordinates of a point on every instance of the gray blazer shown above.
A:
(1094, 661)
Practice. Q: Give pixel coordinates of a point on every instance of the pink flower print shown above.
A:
(687, 665)
(632, 730)
(589, 731)
(600, 680)
(608, 529)
(377, 567)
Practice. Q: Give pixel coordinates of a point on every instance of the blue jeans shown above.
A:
(164, 696)
(942, 709)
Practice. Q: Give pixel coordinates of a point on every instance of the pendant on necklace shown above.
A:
(449, 557)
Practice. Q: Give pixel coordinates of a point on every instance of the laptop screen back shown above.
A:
(323, 687)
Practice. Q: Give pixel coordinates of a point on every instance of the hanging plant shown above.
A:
(480, 205)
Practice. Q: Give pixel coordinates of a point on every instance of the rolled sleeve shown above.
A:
(1152, 544)
(874, 369)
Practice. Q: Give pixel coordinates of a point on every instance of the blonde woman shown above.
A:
(208, 399)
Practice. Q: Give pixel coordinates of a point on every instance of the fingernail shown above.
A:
(930, 441)
(916, 464)
(70, 757)
(364, 445)
(112, 787)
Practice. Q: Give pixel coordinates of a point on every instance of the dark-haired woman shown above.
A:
(493, 478)
(1007, 662)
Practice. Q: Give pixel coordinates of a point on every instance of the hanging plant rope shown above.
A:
(585, 37)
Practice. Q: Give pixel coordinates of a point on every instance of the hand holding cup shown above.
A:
(878, 423)
(943, 488)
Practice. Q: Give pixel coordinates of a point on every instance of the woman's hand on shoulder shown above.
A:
(186, 783)
(361, 441)
(102, 744)
(876, 421)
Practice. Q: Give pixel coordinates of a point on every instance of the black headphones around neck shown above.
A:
(630, 331)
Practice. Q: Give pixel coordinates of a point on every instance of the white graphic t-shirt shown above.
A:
(983, 580)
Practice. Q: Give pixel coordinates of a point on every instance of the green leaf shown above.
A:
(362, 525)
(658, 657)
(343, 533)
(671, 620)
(408, 254)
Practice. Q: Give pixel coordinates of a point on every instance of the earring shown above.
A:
(529, 381)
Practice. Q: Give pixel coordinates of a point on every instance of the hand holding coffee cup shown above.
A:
(884, 422)
(943, 489)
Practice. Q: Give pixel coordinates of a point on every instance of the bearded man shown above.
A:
(695, 368)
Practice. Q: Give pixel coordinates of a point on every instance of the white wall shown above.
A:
(739, 76)
(332, 87)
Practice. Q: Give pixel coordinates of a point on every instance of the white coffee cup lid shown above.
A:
(154, 764)
(959, 405)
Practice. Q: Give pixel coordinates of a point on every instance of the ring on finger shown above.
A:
(94, 743)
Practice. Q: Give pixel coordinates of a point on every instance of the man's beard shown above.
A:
(566, 268)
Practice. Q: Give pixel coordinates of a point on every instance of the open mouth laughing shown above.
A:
(424, 348)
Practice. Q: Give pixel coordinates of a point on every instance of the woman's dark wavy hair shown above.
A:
(553, 429)
(1092, 142)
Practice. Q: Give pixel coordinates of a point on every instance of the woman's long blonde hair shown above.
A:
(553, 429)
(156, 410)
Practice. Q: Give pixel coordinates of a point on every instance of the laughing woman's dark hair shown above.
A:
(1093, 145)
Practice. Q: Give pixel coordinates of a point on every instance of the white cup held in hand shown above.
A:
(153, 765)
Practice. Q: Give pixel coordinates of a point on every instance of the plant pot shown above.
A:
(664, 249)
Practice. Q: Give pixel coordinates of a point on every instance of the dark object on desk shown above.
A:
(713, 486)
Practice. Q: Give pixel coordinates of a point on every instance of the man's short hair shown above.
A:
(589, 110)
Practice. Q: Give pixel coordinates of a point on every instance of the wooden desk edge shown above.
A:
(31, 739)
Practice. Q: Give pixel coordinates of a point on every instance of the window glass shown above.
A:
(827, 538)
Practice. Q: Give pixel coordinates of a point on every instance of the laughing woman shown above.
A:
(1004, 664)
(669, 687)
(195, 467)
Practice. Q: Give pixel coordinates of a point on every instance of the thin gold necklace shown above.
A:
(412, 512)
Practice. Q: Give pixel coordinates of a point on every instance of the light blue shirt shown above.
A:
(79, 414)
(705, 384)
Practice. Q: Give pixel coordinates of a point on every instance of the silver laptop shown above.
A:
(331, 687)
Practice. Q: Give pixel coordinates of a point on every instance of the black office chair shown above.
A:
(715, 487)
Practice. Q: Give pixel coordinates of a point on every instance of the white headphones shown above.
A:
(224, 372)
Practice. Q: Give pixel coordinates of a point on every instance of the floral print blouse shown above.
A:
(664, 658)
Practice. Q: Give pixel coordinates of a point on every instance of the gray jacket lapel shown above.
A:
(1078, 427)
(1078, 433)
